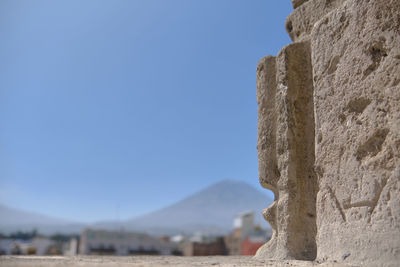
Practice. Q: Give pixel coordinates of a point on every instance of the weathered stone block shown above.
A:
(329, 134)
(266, 90)
(286, 150)
(300, 23)
(356, 73)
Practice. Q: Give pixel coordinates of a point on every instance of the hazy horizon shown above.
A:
(116, 218)
(211, 210)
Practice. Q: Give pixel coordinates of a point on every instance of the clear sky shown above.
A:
(110, 109)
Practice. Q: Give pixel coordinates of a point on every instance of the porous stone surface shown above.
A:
(300, 23)
(286, 150)
(357, 107)
(297, 3)
(152, 261)
(329, 134)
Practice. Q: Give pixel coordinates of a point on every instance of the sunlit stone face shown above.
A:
(328, 133)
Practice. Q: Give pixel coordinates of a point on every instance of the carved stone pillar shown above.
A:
(286, 151)
(329, 133)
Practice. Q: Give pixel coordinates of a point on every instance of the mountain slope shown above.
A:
(210, 210)
(213, 209)
(17, 220)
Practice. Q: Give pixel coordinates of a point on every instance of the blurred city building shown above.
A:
(6, 246)
(202, 245)
(253, 242)
(97, 242)
(246, 237)
(34, 246)
(71, 247)
(244, 223)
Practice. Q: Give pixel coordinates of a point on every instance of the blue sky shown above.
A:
(116, 108)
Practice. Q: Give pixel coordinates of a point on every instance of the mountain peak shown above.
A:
(215, 205)
(230, 182)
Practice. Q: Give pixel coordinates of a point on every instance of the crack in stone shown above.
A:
(339, 207)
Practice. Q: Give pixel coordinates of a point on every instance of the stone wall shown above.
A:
(329, 133)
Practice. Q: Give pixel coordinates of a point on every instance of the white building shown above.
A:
(245, 222)
(71, 248)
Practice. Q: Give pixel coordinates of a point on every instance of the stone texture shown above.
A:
(300, 23)
(266, 90)
(357, 107)
(286, 151)
(297, 3)
(151, 261)
(329, 134)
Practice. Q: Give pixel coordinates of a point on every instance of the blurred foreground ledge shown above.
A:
(154, 261)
